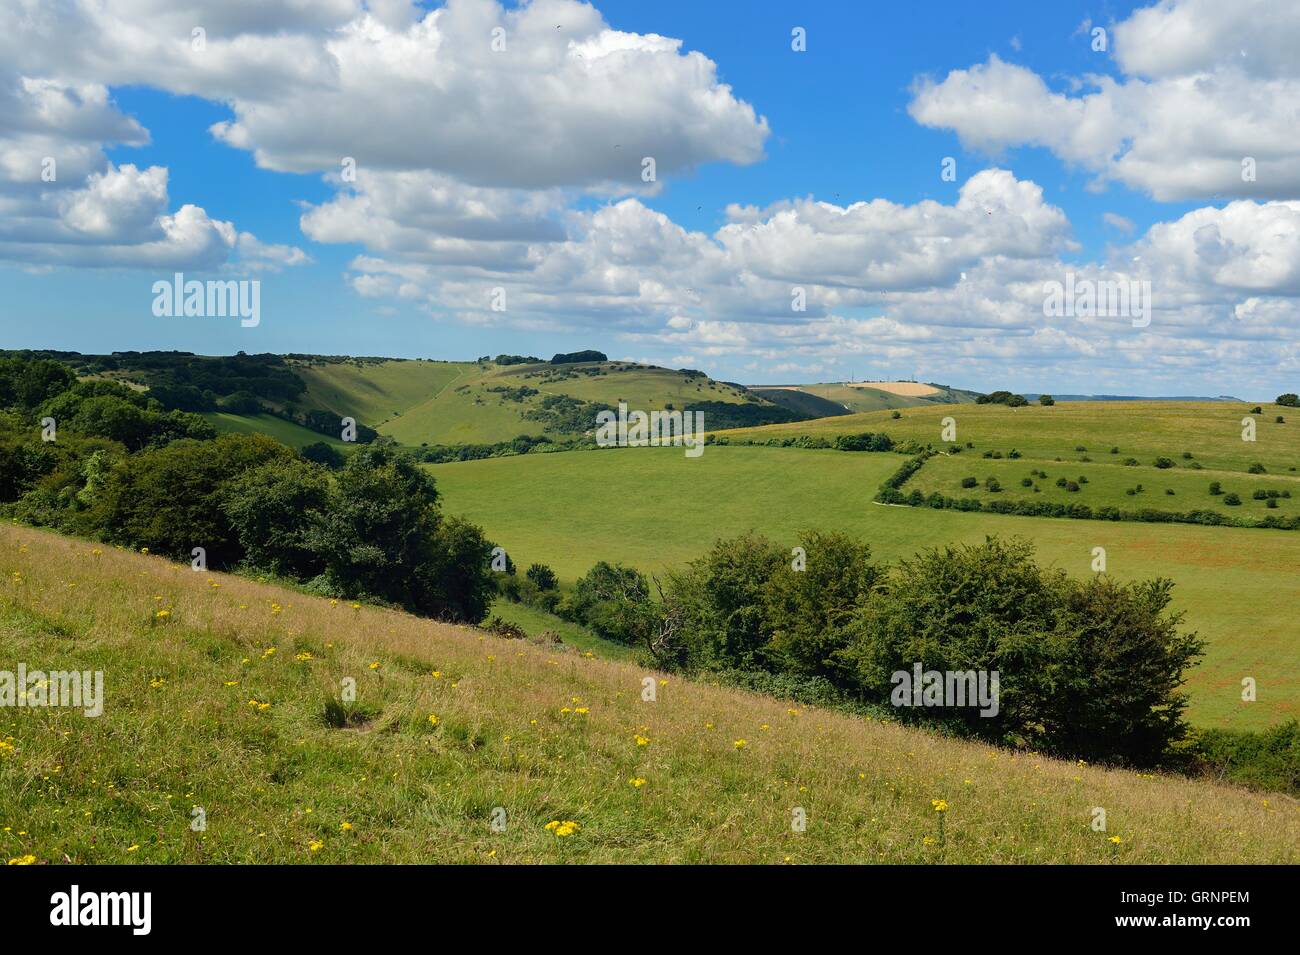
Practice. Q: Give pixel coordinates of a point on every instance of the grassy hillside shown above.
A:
(485, 405)
(800, 401)
(374, 392)
(294, 435)
(220, 704)
(653, 508)
(1141, 429)
(857, 398)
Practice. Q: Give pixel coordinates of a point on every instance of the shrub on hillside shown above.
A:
(276, 510)
(804, 610)
(542, 576)
(612, 600)
(1089, 670)
(169, 499)
(323, 454)
(1268, 760)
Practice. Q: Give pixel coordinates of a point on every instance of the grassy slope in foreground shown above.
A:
(1141, 429)
(278, 785)
(653, 508)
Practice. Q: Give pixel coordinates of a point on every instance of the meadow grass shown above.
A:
(374, 392)
(1108, 485)
(534, 621)
(653, 509)
(1143, 430)
(221, 704)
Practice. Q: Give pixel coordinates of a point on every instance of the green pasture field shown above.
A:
(1145, 430)
(653, 508)
(1108, 485)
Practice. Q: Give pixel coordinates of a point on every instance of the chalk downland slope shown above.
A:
(218, 695)
(489, 403)
(845, 398)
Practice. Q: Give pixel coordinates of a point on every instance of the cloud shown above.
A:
(1206, 87)
(118, 219)
(1117, 221)
(539, 96)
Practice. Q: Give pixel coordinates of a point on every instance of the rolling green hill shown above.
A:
(1144, 430)
(490, 403)
(842, 398)
(420, 402)
(229, 703)
(653, 508)
(374, 391)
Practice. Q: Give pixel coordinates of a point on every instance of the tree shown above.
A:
(609, 598)
(721, 600)
(542, 576)
(1288, 400)
(806, 609)
(579, 356)
(380, 527)
(275, 510)
(1046, 400)
(26, 383)
(169, 498)
(458, 583)
(323, 454)
(1118, 672)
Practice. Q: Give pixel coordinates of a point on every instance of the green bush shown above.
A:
(542, 576)
(1264, 760)
(276, 511)
(1089, 670)
(169, 499)
(804, 610)
(612, 600)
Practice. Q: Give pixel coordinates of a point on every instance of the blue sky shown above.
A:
(844, 125)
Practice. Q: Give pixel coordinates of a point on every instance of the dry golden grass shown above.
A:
(544, 735)
(909, 389)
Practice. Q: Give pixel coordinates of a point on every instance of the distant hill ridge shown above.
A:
(1033, 396)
